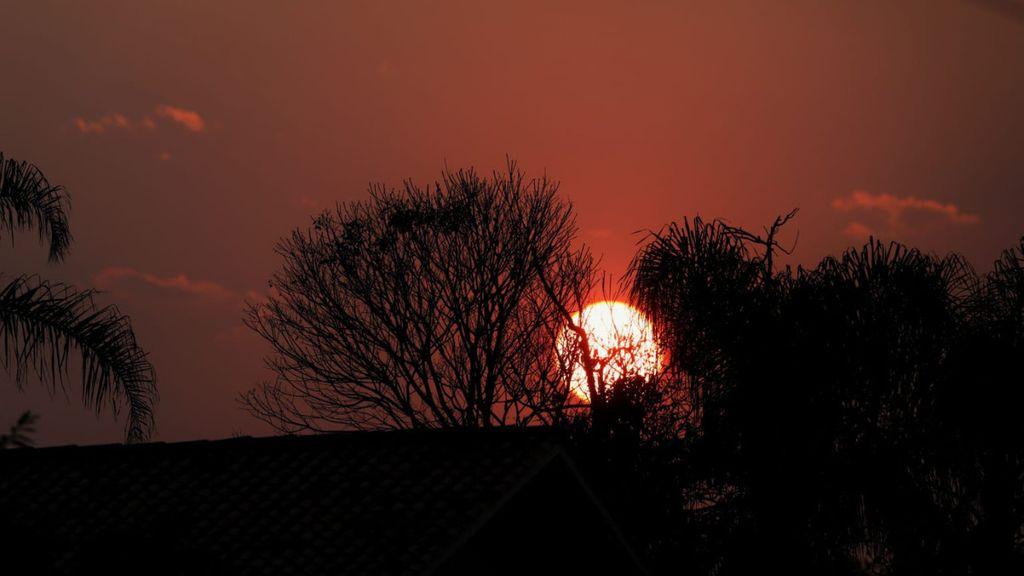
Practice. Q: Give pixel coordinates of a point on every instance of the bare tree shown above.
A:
(425, 307)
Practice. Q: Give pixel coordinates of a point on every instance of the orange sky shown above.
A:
(193, 135)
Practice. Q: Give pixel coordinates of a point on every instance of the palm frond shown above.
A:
(696, 267)
(20, 434)
(28, 200)
(1003, 294)
(41, 323)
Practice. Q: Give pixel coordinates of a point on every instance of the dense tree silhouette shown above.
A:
(709, 292)
(877, 326)
(855, 417)
(41, 322)
(979, 407)
(425, 307)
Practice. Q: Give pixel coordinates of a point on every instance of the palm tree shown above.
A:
(42, 322)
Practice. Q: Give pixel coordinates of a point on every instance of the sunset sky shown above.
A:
(193, 135)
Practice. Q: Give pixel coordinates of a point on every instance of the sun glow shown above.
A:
(621, 344)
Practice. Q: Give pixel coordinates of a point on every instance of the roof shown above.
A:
(340, 503)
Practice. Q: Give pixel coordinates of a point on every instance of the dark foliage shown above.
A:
(41, 323)
(857, 417)
(28, 200)
(20, 434)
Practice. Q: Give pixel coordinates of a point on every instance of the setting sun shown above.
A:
(621, 343)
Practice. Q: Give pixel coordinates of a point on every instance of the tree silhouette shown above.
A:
(983, 428)
(41, 323)
(878, 325)
(425, 307)
(709, 293)
(855, 417)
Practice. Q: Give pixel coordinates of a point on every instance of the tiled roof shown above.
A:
(343, 503)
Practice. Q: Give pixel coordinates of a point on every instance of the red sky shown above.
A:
(192, 135)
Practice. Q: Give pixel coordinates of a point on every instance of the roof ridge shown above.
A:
(481, 521)
(524, 432)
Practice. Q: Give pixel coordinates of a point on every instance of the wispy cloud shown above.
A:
(102, 124)
(857, 231)
(189, 119)
(896, 207)
(106, 278)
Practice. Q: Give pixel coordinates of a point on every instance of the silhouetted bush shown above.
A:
(856, 417)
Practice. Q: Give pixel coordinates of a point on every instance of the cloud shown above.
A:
(109, 276)
(189, 119)
(895, 207)
(857, 231)
(102, 124)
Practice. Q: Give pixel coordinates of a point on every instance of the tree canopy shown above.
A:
(433, 306)
(854, 417)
